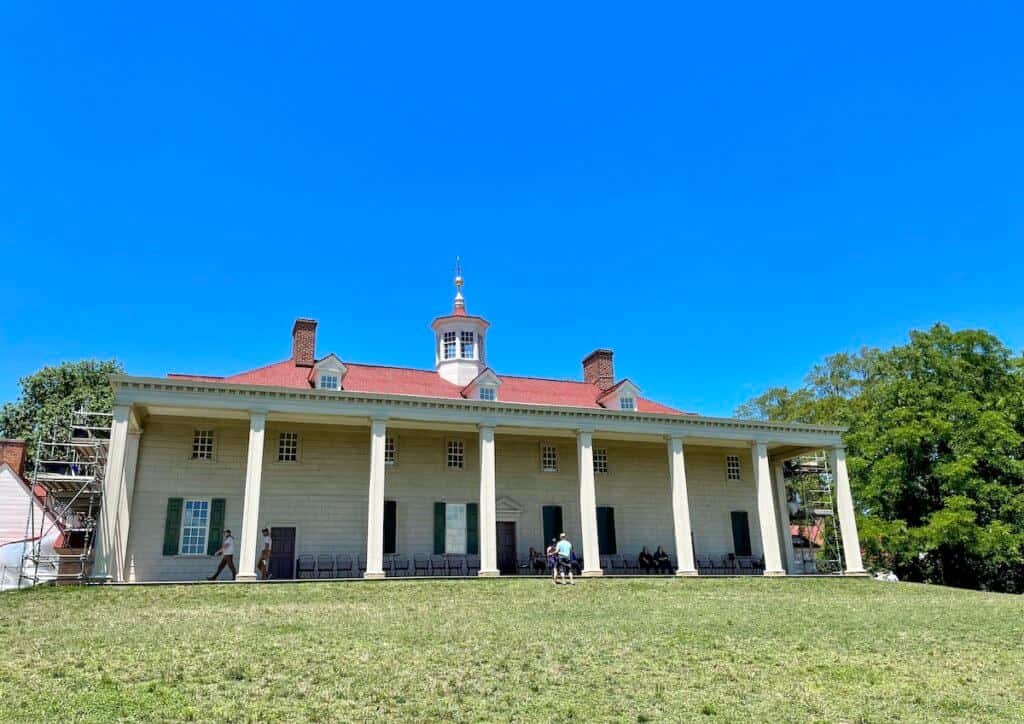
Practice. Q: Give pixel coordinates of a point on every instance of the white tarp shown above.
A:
(15, 566)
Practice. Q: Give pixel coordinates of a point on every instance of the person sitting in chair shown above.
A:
(645, 560)
(537, 562)
(661, 561)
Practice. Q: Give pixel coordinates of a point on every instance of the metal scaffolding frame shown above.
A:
(66, 493)
(812, 508)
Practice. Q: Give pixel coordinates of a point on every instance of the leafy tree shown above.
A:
(49, 396)
(936, 452)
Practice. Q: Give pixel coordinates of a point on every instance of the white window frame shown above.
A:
(600, 461)
(332, 377)
(207, 455)
(206, 530)
(467, 336)
(733, 469)
(548, 457)
(287, 439)
(390, 451)
(449, 338)
(488, 393)
(627, 402)
(455, 452)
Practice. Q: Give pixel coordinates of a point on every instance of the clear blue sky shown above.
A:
(724, 195)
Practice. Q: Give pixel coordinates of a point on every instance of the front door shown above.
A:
(282, 553)
(506, 535)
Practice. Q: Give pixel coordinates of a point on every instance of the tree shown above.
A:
(935, 450)
(49, 396)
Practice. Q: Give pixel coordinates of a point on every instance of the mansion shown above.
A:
(383, 467)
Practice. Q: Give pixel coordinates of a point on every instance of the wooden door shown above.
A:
(506, 536)
(282, 553)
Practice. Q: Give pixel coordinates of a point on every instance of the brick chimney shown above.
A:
(12, 452)
(304, 342)
(598, 369)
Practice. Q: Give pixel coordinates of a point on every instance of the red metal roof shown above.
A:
(427, 383)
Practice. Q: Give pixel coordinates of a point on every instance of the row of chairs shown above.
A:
(345, 566)
(730, 565)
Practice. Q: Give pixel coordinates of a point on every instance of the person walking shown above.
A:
(552, 556)
(564, 550)
(227, 553)
(264, 565)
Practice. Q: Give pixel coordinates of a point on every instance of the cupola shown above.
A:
(459, 350)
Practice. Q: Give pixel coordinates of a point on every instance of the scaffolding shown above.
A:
(812, 515)
(67, 489)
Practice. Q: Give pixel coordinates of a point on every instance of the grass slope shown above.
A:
(514, 650)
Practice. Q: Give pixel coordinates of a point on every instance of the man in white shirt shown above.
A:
(264, 564)
(227, 553)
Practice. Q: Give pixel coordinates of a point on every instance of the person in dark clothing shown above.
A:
(645, 560)
(661, 561)
(537, 561)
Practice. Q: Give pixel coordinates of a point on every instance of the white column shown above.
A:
(488, 525)
(782, 505)
(131, 457)
(847, 519)
(766, 511)
(680, 508)
(375, 511)
(251, 504)
(106, 564)
(588, 504)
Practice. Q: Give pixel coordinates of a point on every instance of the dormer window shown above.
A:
(328, 373)
(328, 382)
(488, 394)
(449, 345)
(627, 403)
(466, 338)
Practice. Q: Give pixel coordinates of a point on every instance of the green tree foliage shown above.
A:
(936, 452)
(49, 396)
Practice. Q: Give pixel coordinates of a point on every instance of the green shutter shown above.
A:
(606, 544)
(390, 510)
(472, 529)
(740, 533)
(552, 523)
(216, 536)
(172, 526)
(439, 512)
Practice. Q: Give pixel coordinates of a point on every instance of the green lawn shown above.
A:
(514, 650)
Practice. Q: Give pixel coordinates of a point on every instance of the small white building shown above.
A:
(16, 496)
(385, 465)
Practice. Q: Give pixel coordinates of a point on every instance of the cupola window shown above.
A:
(449, 345)
(467, 345)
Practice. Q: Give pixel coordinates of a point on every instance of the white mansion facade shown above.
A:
(380, 464)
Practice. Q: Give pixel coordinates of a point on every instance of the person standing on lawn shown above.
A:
(564, 550)
(227, 553)
(552, 556)
(264, 565)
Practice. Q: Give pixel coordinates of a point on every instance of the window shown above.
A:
(466, 338)
(195, 524)
(627, 403)
(549, 458)
(488, 393)
(328, 382)
(202, 445)
(732, 467)
(389, 451)
(449, 345)
(600, 460)
(288, 447)
(456, 454)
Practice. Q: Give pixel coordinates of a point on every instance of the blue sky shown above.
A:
(722, 195)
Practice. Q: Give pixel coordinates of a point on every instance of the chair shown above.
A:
(324, 566)
(455, 565)
(421, 565)
(305, 565)
(618, 565)
(388, 563)
(361, 562)
(606, 563)
(400, 565)
(704, 565)
(472, 565)
(746, 565)
(630, 564)
(437, 567)
(343, 565)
